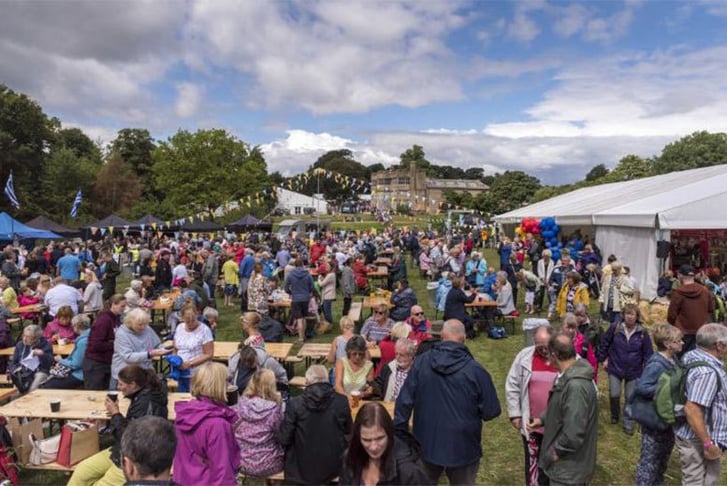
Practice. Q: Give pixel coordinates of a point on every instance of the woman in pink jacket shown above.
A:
(207, 452)
(583, 347)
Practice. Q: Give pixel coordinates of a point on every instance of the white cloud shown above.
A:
(609, 29)
(189, 99)
(330, 57)
(664, 94)
(522, 28)
(570, 20)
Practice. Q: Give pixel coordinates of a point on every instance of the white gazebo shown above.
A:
(629, 218)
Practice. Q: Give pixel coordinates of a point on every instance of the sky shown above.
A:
(552, 88)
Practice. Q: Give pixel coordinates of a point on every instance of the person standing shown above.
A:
(348, 285)
(210, 273)
(703, 436)
(299, 285)
(245, 270)
(450, 394)
(568, 451)
(68, 266)
(657, 437)
(690, 307)
(527, 389)
(544, 269)
(100, 348)
(109, 271)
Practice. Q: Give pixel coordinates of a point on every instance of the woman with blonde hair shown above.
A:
(250, 322)
(657, 437)
(388, 344)
(207, 452)
(338, 346)
(260, 410)
(571, 293)
(93, 294)
(193, 340)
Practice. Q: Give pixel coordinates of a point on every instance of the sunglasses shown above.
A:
(419, 313)
(381, 313)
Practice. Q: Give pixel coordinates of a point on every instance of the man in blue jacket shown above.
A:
(246, 266)
(451, 394)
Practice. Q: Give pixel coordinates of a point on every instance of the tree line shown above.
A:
(193, 172)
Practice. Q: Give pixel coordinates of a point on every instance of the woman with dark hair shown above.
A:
(100, 349)
(376, 456)
(148, 397)
(454, 304)
(354, 371)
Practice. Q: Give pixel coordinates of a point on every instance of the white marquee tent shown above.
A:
(628, 218)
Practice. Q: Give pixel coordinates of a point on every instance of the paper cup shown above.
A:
(113, 396)
(55, 405)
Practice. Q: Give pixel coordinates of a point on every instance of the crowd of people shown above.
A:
(437, 386)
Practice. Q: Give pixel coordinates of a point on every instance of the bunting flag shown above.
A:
(76, 203)
(10, 191)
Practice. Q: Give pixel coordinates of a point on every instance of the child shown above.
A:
(27, 298)
(60, 327)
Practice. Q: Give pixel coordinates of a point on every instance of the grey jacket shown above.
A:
(264, 360)
(571, 431)
(517, 397)
(132, 348)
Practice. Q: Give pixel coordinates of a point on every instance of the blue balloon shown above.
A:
(554, 241)
(547, 234)
(556, 229)
(556, 255)
(547, 244)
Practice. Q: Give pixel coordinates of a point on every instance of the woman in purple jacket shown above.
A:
(624, 351)
(207, 452)
(260, 416)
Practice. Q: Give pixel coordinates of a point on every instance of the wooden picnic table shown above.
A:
(373, 302)
(482, 300)
(316, 351)
(383, 261)
(30, 309)
(75, 404)
(64, 350)
(381, 271)
(165, 302)
(225, 349)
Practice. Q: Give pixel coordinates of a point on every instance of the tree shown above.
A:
(117, 189)
(631, 167)
(700, 149)
(63, 174)
(377, 167)
(414, 154)
(26, 135)
(336, 163)
(512, 190)
(203, 170)
(80, 143)
(474, 173)
(596, 172)
(135, 147)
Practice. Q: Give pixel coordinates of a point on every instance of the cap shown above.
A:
(686, 270)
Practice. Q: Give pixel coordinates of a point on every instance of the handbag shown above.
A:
(44, 450)
(79, 440)
(22, 378)
(61, 371)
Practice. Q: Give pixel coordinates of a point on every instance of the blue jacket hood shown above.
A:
(449, 357)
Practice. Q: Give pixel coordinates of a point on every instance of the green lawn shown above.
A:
(503, 454)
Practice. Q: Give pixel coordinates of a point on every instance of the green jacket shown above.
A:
(571, 426)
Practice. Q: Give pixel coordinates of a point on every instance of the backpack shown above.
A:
(670, 396)
(496, 332)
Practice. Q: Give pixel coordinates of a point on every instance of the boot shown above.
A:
(614, 402)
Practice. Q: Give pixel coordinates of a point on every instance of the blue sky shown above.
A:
(551, 88)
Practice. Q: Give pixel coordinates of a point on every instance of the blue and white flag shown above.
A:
(76, 203)
(10, 192)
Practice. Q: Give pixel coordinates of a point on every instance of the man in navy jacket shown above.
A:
(451, 394)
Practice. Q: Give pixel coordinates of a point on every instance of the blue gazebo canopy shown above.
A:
(11, 229)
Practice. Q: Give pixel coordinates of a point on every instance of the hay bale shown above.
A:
(645, 311)
(658, 312)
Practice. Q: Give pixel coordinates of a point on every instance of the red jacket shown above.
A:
(690, 306)
(360, 272)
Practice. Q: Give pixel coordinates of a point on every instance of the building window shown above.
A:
(297, 210)
(404, 180)
(387, 181)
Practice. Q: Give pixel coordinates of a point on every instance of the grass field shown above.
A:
(502, 462)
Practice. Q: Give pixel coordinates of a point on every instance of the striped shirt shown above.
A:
(702, 388)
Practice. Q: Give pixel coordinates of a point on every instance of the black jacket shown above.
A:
(22, 351)
(454, 305)
(450, 394)
(314, 435)
(144, 402)
(405, 468)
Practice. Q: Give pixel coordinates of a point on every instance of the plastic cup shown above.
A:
(232, 395)
(55, 405)
(61, 342)
(113, 396)
(356, 396)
